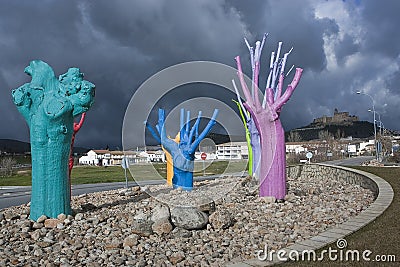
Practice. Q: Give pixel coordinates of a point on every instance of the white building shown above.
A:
(295, 147)
(96, 157)
(367, 146)
(232, 150)
(114, 158)
(153, 156)
(133, 157)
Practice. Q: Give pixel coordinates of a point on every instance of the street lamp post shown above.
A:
(379, 142)
(373, 111)
(381, 126)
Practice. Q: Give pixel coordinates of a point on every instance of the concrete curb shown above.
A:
(382, 202)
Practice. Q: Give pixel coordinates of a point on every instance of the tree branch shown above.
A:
(203, 134)
(240, 103)
(77, 126)
(242, 82)
(289, 91)
(195, 127)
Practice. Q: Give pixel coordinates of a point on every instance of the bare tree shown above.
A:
(339, 134)
(386, 143)
(6, 164)
(325, 135)
(328, 138)
(294, 137)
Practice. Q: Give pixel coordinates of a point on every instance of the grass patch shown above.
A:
(380, 236)
(18, 179)
(95, 174)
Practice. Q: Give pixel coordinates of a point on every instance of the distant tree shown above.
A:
(6, 164)
(339, 134)
(386, 144)
(294, 137)
(325, 135)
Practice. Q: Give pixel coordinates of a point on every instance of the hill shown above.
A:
(356, 129)
(20, 147)
(14, 146)
(223, 138)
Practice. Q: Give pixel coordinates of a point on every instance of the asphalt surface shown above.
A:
(356, 161)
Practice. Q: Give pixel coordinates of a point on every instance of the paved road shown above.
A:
(18, 195)
(356, 161)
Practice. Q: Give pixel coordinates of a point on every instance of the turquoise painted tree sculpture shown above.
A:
(183, 152)
(49, 107)
(266, 117)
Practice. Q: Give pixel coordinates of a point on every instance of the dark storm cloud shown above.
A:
(120, 44)
(382, 22)
(170, 30)
(294, 23)
(345, 48)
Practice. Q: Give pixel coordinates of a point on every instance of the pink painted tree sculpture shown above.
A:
(266, 117)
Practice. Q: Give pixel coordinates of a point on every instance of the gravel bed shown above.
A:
(125, 228)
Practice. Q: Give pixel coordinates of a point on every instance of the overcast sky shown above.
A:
(343, 47)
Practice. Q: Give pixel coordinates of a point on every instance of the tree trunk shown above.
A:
(183, 177)
(274, 182)
(49, 107)
(170, 167)
(51, 141)
(255, 147)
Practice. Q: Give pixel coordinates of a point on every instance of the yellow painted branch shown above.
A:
(170, 165)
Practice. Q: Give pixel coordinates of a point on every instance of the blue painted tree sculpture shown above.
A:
(182, 152)
(49, 106)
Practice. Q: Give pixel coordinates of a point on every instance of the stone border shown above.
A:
(384, 197)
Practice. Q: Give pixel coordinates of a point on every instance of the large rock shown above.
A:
(267, 199)
(51, 223)
(41, 219)
(131, 241)
(142, 227)
(161, 220)
(188, 218)
(115, 244)
(141, 216)
(160, 213)
(206, 204)
(221, 219)
(62, 217)
(181, 233)
(10, 216)
(162, 227)
(37, 225)
(177, 257)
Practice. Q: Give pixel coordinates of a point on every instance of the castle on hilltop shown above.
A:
(339, 118)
